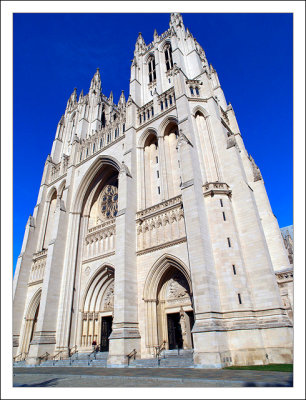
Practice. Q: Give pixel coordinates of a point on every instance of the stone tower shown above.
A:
(152, 224)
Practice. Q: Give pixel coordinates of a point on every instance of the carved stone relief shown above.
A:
(177, 288)
(108, 303)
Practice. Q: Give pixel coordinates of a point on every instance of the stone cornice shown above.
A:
(40, 254)
(161, 246)
(284, 275)
(159, 208)
(102, 229)
(212, 188)
(35, 282)
(277, 318)
(88, 260)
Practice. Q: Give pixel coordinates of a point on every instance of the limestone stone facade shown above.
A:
(153, 224)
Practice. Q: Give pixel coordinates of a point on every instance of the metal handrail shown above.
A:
(95, 356)
(53, 358)
(159, 349)
(72, 352)
(55, 355)
(130, 355)
(22, 356)
(45, 355)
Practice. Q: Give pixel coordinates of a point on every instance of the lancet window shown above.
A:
(152, 70)
(168, 57)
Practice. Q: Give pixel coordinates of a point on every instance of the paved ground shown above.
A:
(148, 377)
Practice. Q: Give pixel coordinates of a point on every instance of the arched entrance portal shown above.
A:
(30, 322)
(169, 310)
(97, 312)
(174, 311)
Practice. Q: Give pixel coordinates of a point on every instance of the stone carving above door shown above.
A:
(109, 298)
(177, 288)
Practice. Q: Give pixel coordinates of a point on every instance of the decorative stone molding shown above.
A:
(98, 151)
(161, 246)
(44, 337)
(159, 208)
(160, 226)
(99, 257)
(212, 188)
(38, 267)
(101, 233)
(285, 275)
(101, 226)
(221, 323)
(40, 254)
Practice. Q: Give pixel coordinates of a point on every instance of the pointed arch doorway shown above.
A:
(169, 309)
(31, 322)
(97, 310)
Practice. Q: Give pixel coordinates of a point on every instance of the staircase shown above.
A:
(77, 360)
(168, 359)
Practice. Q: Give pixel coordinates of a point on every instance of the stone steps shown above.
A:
(169, 359)
(20, 364)
(79, 360)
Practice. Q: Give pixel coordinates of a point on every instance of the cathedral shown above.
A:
(152, 227)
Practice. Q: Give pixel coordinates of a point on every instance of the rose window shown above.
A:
(109, 201)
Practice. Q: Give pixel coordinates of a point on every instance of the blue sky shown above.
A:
(53, 53)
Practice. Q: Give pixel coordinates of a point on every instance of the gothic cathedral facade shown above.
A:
(153, 225)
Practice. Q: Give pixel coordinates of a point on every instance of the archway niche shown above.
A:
(171, 159)
(50, 219)
(151, 170)
(205, 148)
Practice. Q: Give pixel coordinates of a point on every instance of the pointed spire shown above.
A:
(140, 38)
(176, 19)
(95, 85)
(74, 97)
(155, 35)
(111, 97)
(81, 95)
(122, 98)
(140, 43)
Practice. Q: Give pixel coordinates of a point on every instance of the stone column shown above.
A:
(21, 278)
(125, 335)
(45, 336)
(203, 275)
(68, 283)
